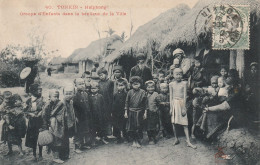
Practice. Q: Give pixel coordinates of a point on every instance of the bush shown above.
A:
(9, 79)
(9, 73)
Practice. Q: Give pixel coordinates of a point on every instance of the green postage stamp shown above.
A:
(231, 27)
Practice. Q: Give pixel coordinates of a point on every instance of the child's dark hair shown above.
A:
(197, 58)
(87, 72)
(135, 79)
(121, 81)
(96, 64)
(161, 72)
(223, 67)
(102, 70)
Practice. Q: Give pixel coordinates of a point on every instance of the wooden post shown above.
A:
(241, 63)
(80, 67)
(232, 59)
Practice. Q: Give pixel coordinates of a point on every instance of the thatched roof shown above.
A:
(97, 48)
(57, 60)
(184, 32)
(154, 31)
(75, 53)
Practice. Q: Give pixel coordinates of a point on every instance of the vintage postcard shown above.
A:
(133, 82)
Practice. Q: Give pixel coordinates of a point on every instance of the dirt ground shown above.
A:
(112, 154)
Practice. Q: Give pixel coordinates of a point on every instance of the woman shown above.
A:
(215, 118)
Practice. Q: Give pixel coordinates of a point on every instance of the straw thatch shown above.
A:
(152, 32)
(73, 55)
(97, 49)
(57, 60)
(184, 32)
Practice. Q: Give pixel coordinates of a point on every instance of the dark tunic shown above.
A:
(135, 105)
(59, 128)
(106, 89)
(34, 123)
(196, 77)
(97, 106)
(145, 74)
(82, 111)
(208, 61)
(152, 112)
(164, 110)
(118, 110)
(17, 120)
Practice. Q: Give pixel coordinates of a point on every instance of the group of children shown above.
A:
(101, 104)
(132, 110)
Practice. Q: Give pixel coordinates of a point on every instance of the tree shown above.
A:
(123, 36)
(110, 31)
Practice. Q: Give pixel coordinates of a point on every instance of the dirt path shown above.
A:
(163, 153)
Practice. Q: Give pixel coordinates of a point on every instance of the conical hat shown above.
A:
(25, 72)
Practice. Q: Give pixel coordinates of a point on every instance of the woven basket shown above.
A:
(45, 138)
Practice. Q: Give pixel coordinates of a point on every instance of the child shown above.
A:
(223, 89)
(176, 64)
(82, 114)
(87, 78)
(119, 122)
(94, 71)
(223, 72)
(97, 106)
(34, 109)
(196, 74)
(151, 112)
(106, 89)
(134, 110)
(164, 110)
(178, 94)
(118, 74)
(58, 127)
(68, 93)
(15, 123)
(161, 79)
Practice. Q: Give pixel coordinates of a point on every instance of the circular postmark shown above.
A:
(227, 26)
(203, 21)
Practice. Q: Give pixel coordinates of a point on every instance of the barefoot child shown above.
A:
(106, 89)
(15, 124)
(178, 111)
(151, 112)
(164, 110)
(35, 105)
(119, 122)
(97, 106)
(134, 110)
(82, 114)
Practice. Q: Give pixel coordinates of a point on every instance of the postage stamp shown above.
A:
(231, 27)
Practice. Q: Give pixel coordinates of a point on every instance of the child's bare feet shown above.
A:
(134, 144)
(78, 151)
(191, 145)
(59, 161)
(21, 154)
(138, 145)
(193, 137)
(176, 141)
(104, 141)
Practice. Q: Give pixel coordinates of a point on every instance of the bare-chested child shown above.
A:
(178, 111)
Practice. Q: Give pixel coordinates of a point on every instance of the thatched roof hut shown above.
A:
(73, 55)
(150, 34)
(184, 32)
(97, 49)
(57, 60)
